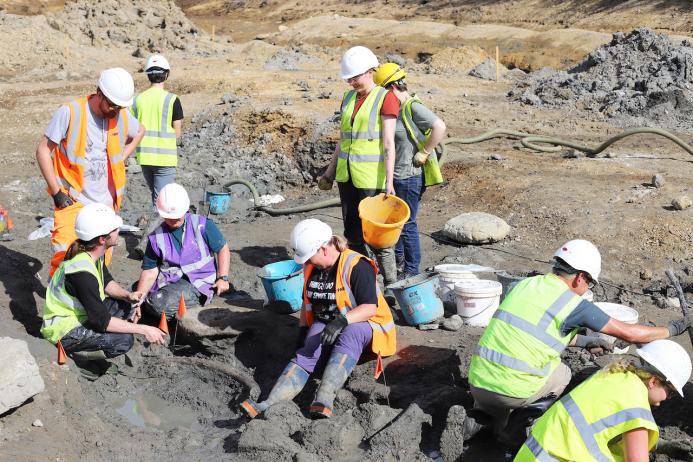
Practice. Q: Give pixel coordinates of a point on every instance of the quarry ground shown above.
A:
(260, 101)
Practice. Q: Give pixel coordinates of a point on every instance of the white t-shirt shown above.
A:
(98, 179)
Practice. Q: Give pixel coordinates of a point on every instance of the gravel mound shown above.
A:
(639, 78)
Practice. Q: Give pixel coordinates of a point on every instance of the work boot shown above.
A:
(337, 371)
(288, 385)
(522, 419)
(471, 427)
(388, 268)
(88, 355)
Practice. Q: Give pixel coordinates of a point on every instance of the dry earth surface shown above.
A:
(260, 97)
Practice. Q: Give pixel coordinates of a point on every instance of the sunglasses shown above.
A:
(111, 106)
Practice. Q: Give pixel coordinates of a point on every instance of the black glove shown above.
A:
(593, 343)
(332, 330)
(62, 200)
(301, 339)
(680, 326)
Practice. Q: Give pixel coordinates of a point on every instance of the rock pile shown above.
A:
(638, 78)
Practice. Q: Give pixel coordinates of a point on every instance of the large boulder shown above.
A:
(476, 228)
(19, 375)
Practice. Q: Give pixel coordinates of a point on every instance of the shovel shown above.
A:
(682, 298)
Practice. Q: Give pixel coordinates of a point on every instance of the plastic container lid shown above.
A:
(621, 312)
(479, 287)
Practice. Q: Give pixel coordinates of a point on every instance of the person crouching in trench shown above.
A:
(343, 313)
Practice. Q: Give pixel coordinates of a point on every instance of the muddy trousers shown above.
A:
(63, 235)
(500, 406)
(166, 298)
(112, 344)
(353, 340)
(351, 196)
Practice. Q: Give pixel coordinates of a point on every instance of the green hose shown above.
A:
(528, 140)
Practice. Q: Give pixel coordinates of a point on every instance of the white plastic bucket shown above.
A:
(448, 276)
(621, 312)
(477, 300)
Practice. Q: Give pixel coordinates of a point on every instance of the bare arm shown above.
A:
(133, 142)
(223, 264)
(147, 279)
(152, 334)
(636, 444)
(178, 127)
(389, 123)
(634, 333)
(45, 161)
(438, 130)
(361, 313)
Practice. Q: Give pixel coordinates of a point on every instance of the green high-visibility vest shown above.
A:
(431, 169)
(63, 312)
(522, 345)
(154, 109)
(361, 154)
(586, 425)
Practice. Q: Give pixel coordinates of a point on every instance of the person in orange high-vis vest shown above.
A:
(343, 314)
(83, 151)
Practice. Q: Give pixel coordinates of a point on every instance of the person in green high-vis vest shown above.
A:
(364, 159)
(609, 416)
(517, 362)
(161, 112)
(417, 133)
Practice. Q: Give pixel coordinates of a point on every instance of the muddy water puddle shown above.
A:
(144, 409)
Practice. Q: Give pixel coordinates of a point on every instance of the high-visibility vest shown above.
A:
(361, 153)
(431, 169)
(522, 345)
(154, 109)
(63, 312)
(69, 156)
(384, 331)
(586, 424)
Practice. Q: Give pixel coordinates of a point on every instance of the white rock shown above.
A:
(476, 228)
(19, 375)
(681, 203)
(37, 423)
(453, 323)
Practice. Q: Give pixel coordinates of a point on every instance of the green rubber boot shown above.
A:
(337, 371)
(288, 385)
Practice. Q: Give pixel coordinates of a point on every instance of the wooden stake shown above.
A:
(497, 64)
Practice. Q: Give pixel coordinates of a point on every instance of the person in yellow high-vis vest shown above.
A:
(364, 159)
(608, 417)
(83, 151)
(517, 362)
(417, 133)
(161, 112)
(343, 315)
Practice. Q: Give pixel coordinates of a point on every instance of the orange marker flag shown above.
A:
(62, 356)
(181, 307)
(163, 324)
(378, 367)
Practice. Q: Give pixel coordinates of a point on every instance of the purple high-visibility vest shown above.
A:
(195, 260)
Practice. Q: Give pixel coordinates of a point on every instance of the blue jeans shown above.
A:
(408, 248)
(158, 177)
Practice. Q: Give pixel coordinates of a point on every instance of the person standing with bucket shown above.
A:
(541, 315)
(343, 314)
(417, 133)
(614, 405)
(364, 159)
(179, 258)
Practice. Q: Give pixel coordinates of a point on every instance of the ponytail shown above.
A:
(339, 243)
(79, 245)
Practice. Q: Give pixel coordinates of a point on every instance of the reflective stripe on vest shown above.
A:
(154, 109)
(361, 152)
(431, 169)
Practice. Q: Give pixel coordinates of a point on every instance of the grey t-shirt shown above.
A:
(405, 148)
(585, 314)
(98, 181)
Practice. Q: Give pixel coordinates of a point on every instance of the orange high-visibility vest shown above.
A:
(384, 332)
(69, 156)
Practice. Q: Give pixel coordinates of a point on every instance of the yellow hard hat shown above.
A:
(387, 73)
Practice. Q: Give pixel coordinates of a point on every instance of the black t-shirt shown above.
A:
(177, 110)
(85, 287)
(320, 289)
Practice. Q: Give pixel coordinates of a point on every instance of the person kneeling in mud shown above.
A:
(85, 308)
(343, 313)
(179, 258)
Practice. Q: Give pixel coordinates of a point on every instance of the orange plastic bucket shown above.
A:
(382, 219)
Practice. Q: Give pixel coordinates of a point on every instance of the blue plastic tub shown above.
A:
(283, 283)
(218, 202)
(417, 298)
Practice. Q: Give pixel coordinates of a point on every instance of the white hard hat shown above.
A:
(357, 60)
(670, 359)
(581, 255)
(117, 85)
(96, 220)
(172, 201)
(307, 237)
(157, 61)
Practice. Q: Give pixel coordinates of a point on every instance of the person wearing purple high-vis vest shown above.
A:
(180, 256)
